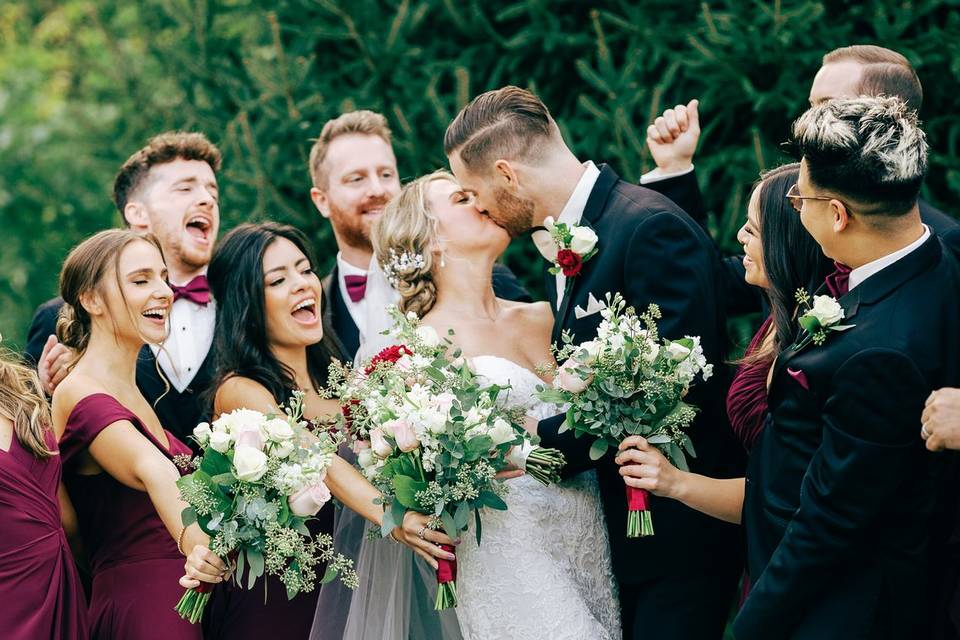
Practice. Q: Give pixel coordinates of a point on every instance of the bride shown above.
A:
(543, 568)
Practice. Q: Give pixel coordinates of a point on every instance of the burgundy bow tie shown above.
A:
(356, 287)
(196, 291)
(838, 282)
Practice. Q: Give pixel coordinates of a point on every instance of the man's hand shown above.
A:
(672, 138)
(940, 422)
(52, 367)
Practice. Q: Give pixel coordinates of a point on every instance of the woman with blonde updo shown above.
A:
(537, 574)
(120, 465)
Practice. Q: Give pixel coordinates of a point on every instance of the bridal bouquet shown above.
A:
(627, 381)
(431, 437)
(259, 480)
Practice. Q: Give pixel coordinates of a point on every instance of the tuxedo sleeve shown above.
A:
(684, 190)
(506, 285)
(667, 262)
(43, 325)
(870, 449)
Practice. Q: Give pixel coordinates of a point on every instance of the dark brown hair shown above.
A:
(885, 72)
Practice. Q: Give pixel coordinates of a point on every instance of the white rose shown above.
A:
(246, 419)
(428, 336)
(653, 351)
(365, 458)
(278, 430)
(201, 433)
(220, 441)
(283, 449)
(548, 223)
(592, 349)
(249, 463)
(502, 432)
(677, 352)
(826, 310)
(583, 241)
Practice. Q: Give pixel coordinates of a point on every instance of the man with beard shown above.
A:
(354, 174)
(167, 188)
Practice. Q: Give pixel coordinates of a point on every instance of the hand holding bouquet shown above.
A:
(627, 382)
(259, 480)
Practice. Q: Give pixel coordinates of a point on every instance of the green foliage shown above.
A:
(83, 83)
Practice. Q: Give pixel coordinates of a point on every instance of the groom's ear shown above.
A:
(503, 170)
(320, 201)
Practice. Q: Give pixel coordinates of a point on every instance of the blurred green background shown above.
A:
(84, 83)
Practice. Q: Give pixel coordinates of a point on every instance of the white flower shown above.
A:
(501, 432)
(249, 463)
(202, 433)
(434, 420)
(592, 349)
(583, 241)
(278, 430)
(548, 223)
(365, 458)
(379, 443)
(677, 352)
(826, 310)
(220, 441)
(283, 449)
(428, 336)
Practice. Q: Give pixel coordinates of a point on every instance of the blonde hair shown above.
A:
(408, 226)
(23, 402)
(363, 122)
(83, 272)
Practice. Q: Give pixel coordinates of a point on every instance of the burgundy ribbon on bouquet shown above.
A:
(636, 499)
(446, 569)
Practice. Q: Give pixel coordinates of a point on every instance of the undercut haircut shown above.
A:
(885, 72)
(509, 123)
(363, 122)
(868, 149)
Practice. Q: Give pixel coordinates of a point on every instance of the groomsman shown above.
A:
(168, 188)
(505, 148)
(840, 492)
(354, 174)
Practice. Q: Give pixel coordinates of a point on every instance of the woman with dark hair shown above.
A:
(270, 342)
(780, 257)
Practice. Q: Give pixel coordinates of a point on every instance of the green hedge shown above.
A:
(84, 83)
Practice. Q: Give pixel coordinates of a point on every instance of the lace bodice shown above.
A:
(543, 568)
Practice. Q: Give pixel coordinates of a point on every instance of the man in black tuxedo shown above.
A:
(167, 188)
(840, 491)
(505, 148)
(354, 174)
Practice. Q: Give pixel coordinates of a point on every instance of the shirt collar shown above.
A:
(861, 273)
(344, 268)
(572, 211)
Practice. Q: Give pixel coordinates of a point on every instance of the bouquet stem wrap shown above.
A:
(639, 518)
(446, 581)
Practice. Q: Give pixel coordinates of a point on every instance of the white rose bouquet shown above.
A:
(431, 437)
(627, 382)
(259, 480)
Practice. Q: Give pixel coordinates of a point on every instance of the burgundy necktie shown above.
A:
(356, 287)
(196, 291)
(838, 282)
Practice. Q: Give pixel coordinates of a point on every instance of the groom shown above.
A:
(506, 148)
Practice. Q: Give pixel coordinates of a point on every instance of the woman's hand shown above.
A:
(415, 533)
(644, 467)
(202, 565)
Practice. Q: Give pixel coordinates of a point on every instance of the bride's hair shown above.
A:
(403, 241)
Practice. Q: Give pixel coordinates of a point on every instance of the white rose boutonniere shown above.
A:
(573, 245)
(819, 319)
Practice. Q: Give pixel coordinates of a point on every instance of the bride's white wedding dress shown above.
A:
(542, 570)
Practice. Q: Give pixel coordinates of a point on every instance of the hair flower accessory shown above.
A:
(402, 264)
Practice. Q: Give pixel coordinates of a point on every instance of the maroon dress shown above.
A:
(40, 592)
(747, 397)
(133, 559)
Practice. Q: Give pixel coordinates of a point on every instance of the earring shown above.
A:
(443, 260)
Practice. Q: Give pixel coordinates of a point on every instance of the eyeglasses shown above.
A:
(796, 200)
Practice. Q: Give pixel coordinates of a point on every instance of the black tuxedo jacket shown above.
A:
(840, 493)
(347, 336)
(652, 252)
(178, 412)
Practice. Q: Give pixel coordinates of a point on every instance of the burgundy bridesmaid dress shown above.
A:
(747, 396)
(133, 559)
(40, 592)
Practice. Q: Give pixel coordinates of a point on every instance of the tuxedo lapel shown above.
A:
(346, 338)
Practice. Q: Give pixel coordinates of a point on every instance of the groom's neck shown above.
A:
(555, 180)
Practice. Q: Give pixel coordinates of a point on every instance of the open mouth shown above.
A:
(306, 311)
(199, 228)
(157, 315)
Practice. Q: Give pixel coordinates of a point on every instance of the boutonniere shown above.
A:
(819, 319)
(573, 245)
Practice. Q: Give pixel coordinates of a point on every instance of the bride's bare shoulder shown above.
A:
(538, 312)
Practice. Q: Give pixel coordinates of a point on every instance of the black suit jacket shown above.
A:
(840, 490)
(178, 412)
(652, 252)
(347, 336)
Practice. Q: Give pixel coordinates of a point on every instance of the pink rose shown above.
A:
(379, 443)
(445, 401)
(404, 434)
(360, 445)
(250, 437)
(307, 501)
(569, 380)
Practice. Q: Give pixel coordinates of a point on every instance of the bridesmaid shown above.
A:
(120, 464)
(269, 343)
(780, 257)
(39, 587)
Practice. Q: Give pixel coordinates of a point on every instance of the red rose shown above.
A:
(569, 262)
(390, 354)
(347, 411)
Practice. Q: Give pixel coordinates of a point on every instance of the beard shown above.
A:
(515, 214)
(351, 226)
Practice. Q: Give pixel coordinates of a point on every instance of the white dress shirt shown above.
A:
(570, 215)
(358, 310)
(861, 273)
(190, 338)
(656, 175)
